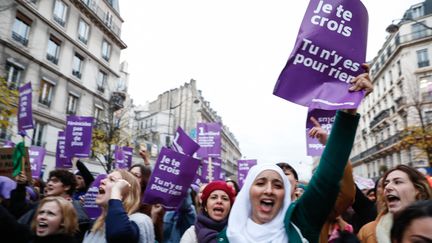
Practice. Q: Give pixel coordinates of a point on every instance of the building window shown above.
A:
(97, 113)
(426, 88)
(3, 129)
(53, 50)
(21, 28)
(72, 104)
(38, 132)
(418, 30)
(417, 12)
(106, 50)
(101, 81)
(13, 77)
(46, 92)
(391, 77)
(60, 10)
(422, 58)
(83, 31)
(77, 65)
(428, 117)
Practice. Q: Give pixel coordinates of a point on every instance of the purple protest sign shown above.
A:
(93, 210)
(328, 53)
(78, 136)
(25, 114)
(183, 143)
(243, 167)
(128, 153)
(36, 155)
(325, 119)
(8, 144)
(62, 160)
(211, 169)
(209, 139)
(172, 176)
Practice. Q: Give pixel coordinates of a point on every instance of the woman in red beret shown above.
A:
(217, 199)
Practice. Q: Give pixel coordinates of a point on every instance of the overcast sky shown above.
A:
(235, 49)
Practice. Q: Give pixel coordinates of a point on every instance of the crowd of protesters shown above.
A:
(272, 205)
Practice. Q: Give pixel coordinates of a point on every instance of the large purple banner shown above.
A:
(90, 206)
(325, 119)
(211, 169)
(183, 143)
(209, 139)
(172, 176)
(78, 136)
(36, 155)
(25, 114)
(62, 160)
(128, 153)
(328, 53)
(243, 167)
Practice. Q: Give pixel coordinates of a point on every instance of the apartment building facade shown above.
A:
(70, 52)
(402, 100)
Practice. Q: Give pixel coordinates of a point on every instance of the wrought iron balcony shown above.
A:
(379, 146)
(19, 38)
(378, 118)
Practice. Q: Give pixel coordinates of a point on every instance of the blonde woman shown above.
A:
(55, 221)
(119, 198)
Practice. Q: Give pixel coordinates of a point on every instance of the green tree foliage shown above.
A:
(8, 104)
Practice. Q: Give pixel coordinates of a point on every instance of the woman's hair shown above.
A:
(403, 219)
(145, 175)
(69, 223)
(131, 201)
(236, 186)
(419, 181)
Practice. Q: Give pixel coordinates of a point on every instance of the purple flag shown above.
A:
(36, 155)
(128, 153)
(183, 143)
(93, 210)
(8, 144)
(172, 176)
(243, 167)
(209, 139)
(78, 136)
(62, 160)
(25, 115)
(211, 169)
(325, 119)
(328, 53)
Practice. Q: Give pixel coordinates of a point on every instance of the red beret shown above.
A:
(217, 185)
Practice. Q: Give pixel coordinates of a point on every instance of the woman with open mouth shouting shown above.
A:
(402, 186)
(217, 198)
(55, 220)
(263, 211)
(119, 198)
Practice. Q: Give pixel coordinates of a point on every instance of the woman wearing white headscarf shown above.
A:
(263, 211)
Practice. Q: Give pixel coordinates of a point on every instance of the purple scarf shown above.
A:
(207, 229)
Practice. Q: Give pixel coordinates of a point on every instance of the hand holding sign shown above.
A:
(318, 132)
(362, 81)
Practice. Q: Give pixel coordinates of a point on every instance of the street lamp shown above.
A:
(393, 28)
(168, 138)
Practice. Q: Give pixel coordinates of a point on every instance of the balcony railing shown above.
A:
(400, 40)
(19, 38)
(389, 141)
(76, 73)
(100, 89)
(45, 101)
(83, 39)
(52, 58)
(378, 118)
(93, 6)
(59, 20)
(423, 64)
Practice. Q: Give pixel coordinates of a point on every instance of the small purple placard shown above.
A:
(172, 176)
(183, 143)
(326, 120)
(243, 167)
